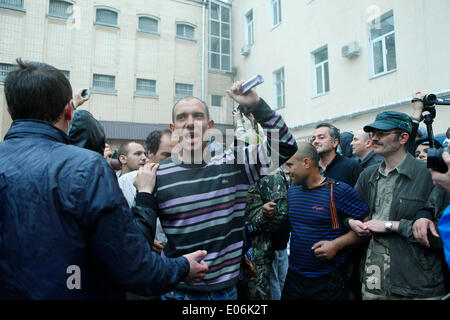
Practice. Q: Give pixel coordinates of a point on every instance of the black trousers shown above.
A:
(332, 286)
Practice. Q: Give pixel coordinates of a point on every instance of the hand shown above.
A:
(146, 178)
(107, 153)
(78, 100)
(157, 246)
(359, 228)
(420, 231)
(325, 250)
(442, 180)
(376, 226)
(197, 270)
(248, 100)
(418, 105)
(268, 209)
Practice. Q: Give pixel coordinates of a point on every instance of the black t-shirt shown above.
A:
(343, 169)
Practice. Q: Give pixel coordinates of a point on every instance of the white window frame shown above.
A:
(250, 28)
(216, 96)
(104, 89)
(382, 39)
(183, 36)
(148, 31)
(320, 65)
(281, 94)
(182, 95)
(221, 38)
(152, 93)
(100, 23)
(276, 18)
(5, 68)
(66, 15)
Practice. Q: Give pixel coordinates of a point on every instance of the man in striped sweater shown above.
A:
(201, 201)
(317, 206)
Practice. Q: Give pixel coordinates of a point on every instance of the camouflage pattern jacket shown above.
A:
(270, 188)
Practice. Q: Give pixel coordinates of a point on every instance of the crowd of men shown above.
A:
(342, 216)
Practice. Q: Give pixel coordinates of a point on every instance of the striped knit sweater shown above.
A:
(201, 206)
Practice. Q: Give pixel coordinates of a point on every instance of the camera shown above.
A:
(85, 93)
(434, 160)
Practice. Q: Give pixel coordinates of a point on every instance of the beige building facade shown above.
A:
(343, 61)
(136, 57)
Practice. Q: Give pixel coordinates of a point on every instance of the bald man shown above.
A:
(363, 149)
(317, 206)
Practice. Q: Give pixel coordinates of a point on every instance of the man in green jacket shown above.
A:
(396, 266)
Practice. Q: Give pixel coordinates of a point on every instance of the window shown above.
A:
(149, 25)
(106, 17)
(220, 37)
(321, 71)
(146, 87)
(278, 83)
(5, 68)
(185, 31)
(382, 42)
(275, 5)
(104, 83)
(11, 4)
(249, 24)
(216, 101)
(60, 9)
(183, 90)
(66, 74)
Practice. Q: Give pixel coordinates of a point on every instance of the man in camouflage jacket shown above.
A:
(271, 193)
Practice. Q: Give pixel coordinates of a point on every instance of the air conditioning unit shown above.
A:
(351, 50)
(245, 50)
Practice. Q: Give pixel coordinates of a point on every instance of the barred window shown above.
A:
(16, 4)
(5, 68)
(61, 9)
(183, 90)
(107, 17)
(148, 25)
(66, 74)
(146, 86)
(185, 31)
(216, 101)
(104, 82)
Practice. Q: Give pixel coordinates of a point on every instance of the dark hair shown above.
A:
(154, 140)
(190, 98)
(307, 150)
(123, 149)
(335, 133)
(37, 91)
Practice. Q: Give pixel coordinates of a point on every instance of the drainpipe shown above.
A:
(205, 3)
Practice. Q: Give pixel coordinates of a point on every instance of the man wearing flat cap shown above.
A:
(396, 266)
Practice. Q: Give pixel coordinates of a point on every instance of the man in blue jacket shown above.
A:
(64, 231)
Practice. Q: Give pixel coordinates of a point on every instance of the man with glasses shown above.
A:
(396, 267)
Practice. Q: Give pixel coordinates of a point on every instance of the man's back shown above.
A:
(60, 217)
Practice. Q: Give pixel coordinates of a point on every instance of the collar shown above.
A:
(405, 167)
(367, 158)
(337, 158)
(36, 128)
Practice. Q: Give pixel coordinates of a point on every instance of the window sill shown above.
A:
(115, 26)
(104, 91)
(52, 16)
(218, 71)
(149, 32)
(378, 75)
(146, 95)
(275, 26)
(3, 6)
(188, 39)
(320, 95)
